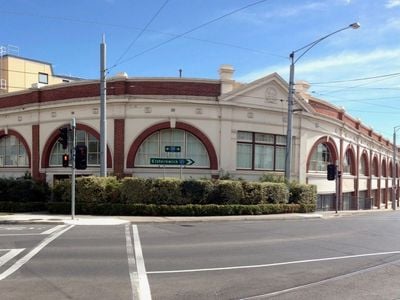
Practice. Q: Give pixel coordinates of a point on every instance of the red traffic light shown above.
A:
(65, 160)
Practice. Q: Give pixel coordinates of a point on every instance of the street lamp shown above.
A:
(394, 175)
(305, 49)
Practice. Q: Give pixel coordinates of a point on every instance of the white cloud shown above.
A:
(392, 3)
(341, 65)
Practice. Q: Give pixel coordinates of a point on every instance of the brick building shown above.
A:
(221, 125)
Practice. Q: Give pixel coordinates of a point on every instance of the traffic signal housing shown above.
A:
(63, 137)
(332, 172)
(81, 157)
(65, 160)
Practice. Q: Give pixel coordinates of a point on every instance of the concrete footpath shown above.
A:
(43, 218)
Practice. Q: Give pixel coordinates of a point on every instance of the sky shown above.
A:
(358, 70)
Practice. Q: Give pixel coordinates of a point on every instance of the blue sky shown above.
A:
(256, 41)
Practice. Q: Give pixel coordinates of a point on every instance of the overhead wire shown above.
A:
(75, 20)
(191, 30)
(142, 31)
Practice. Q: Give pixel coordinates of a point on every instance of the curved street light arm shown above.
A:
(309, 46)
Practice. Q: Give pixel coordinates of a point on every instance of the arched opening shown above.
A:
(13, 150)
(151, 143)
(364, 168)
(349, 162)
(85, 135)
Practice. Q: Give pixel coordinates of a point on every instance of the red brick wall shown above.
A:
(119, 137)
(35, 152)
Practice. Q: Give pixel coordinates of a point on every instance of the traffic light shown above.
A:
(65, 160)
(63, 138)
(81, 157)
(332, 172)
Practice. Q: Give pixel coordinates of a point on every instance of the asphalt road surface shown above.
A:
(340, 258)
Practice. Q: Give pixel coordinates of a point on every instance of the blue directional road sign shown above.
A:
(171, 161)
(172, 148)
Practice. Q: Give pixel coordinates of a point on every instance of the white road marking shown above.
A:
(276, 264)
(132, 264)
(11, 253)
(32, 253)
(144, 287)
(51, 230)
(320, 282)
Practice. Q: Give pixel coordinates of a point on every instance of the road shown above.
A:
(354, 257)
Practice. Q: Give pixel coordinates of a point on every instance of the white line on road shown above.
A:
(144, 287)
(11, 253)
(275, 264)
(53, 229)
(131, 263)
(312, 284)
(32, 253)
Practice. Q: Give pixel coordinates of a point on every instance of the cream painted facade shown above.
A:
(18, 73)
(135, 113)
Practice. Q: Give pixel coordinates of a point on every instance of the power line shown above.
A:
(142, 31)
(74, 20)
(356, 79)
(192, 30)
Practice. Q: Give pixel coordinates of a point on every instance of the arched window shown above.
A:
(348, 162)
(375, 170)
(155, 145)
(12, 152)
(320, 158)
(364, 165)
(82, 138)
(384, 172)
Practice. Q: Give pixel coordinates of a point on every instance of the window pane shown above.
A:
(245, 136)
(264, 138)
(82, 138)
(243, 156)
(281, 140)
(264, 157)
(320, 158)
(280, 153)
(12, 152)
(154, 146)
(195, 150)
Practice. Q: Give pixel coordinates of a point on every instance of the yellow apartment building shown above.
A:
(19, 73)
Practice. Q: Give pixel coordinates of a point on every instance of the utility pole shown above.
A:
(73, 154)
(103, 110)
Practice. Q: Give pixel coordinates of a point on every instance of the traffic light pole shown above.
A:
(73, 154)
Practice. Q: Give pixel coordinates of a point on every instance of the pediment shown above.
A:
(269, 92)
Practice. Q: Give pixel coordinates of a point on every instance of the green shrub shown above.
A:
(166, 191)
(176, 210)
(97, 189)
(303, 193)
(136, 190)
(268, 177)
(18, 207)
(196, 191)
(252, 193)
(23, 190)
(275, 192)
(62, 191)
(226, 192)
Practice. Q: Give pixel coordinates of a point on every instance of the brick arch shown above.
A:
(390, 168)
(364, 156)
(212, 155)
(331, 147)
(22, 139)
(54, 137)
(353, 159)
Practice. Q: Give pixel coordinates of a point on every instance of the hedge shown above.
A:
(177, 210)
(170, 196)
(23, 190)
